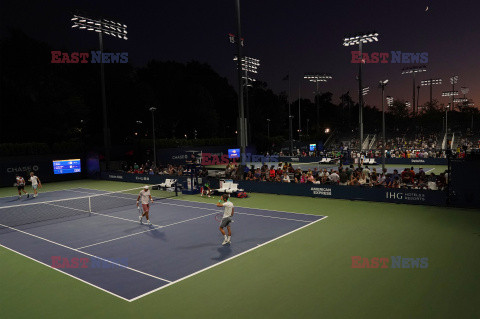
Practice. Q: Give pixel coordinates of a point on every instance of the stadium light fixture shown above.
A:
(360, 39)
(407, 104)
(389, 101)
(431, 83)
(414, 70)
(449, 93)
(365, 90)
(317, 77)
(115, 29)
(249, 65)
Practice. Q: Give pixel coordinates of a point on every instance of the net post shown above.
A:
(176, 188)
(89, 204)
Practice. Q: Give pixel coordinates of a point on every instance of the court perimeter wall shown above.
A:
(400, 196)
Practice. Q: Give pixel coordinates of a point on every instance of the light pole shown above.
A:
(153, 109)
(360, 39)
(431, 83)
(316, 78)
(446, 122)
(413, 70)
(382, 85)
(241, 115)
(448, 94)
(465, 91)
(268, 128)
(116, 30)
(299, 114)
(418, 97)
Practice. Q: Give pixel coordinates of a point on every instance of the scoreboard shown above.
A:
(67, 166)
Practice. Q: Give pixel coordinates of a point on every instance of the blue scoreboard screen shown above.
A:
(234, 153)
(67, 166)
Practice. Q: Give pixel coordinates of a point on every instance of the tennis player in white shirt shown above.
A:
(227, 218)
(35, 183)
(145, 196)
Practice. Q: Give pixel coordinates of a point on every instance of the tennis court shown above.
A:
(100, 230)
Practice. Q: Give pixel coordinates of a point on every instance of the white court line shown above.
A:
(145, 231)
(58, 190)
(65, 273)
(193, 201)
(223, 261)
(85, 253)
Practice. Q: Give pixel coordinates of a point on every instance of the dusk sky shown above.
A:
(287, 36)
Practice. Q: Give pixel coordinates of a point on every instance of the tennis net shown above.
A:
(77, 207)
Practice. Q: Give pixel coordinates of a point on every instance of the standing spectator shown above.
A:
(343, 177)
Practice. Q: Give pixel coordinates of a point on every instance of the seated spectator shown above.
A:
(334, 177)
(286, 178)
(432, 182)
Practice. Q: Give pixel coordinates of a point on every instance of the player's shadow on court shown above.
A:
(224, 252)
(158, 234)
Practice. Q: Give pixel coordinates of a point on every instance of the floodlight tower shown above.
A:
(116, 30)
(249, 65)
(465, 91)
(453, 81)
(431, 83)
(413, 70)
(382, 85)
(389, 101)
(360, 39)
(316, 78)
(452, 94)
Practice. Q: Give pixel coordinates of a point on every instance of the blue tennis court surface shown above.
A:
(111, 250)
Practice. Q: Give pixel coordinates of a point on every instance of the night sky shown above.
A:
(287, 36)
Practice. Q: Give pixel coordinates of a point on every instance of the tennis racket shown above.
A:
(219, 217)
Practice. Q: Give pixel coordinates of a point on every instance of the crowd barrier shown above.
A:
(401, 196)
